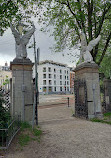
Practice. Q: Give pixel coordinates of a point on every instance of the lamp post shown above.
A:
(36, 84)
(36, 93)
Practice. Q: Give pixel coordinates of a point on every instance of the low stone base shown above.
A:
(95, 116)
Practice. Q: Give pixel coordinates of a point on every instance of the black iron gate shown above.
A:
(81, 106)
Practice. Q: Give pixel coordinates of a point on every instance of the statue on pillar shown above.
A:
(86, 49)
(22, 41)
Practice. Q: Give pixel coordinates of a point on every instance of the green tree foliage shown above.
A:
(70, 17)
(6, 80)
(13, 10)
(105, 66)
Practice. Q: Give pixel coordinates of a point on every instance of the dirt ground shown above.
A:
(55, 99)
(65, 136)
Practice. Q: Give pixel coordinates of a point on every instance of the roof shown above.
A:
(52, 62)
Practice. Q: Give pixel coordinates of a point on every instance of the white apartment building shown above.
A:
(53, 77)
(5, 73)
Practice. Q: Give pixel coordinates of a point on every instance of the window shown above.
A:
(44, 75)
(44, 69)
(67, 82)
(60, 88)
(60, 76)
(60, 71)
(67, 88)
(50, 82)
(54, 70)
(65, 71)
(60, 82)
(50, 89)
(44, 82)
(65, 77)
(49, 75)
(54, 82)
(54, 76)
(49, 69)
(44, 89)
(55, 89)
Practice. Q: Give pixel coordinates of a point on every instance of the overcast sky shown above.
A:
(7, 48)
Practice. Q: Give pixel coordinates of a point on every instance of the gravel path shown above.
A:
(67, 137)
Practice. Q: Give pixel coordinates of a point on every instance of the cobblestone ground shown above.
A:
(65, 136)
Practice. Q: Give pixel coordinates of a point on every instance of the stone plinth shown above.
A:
(89, 73)
(107, 86)
(22, 89)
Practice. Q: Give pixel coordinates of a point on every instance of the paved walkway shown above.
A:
(67, 137)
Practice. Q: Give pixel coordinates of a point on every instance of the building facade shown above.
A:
(53, 77)
(5, 75)
(72, 76)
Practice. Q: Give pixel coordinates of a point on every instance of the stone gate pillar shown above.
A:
(89, 72)
(107, 94)
(22, 89)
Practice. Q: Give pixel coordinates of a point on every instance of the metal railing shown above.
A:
(7, 134)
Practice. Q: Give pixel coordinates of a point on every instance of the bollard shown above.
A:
(68, 101)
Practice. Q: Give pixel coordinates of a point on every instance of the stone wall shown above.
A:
(107, 86)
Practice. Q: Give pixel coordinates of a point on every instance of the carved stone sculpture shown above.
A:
(86, 49)
(22, 41)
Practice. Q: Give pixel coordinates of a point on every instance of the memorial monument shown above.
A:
(86, 49)
(88, 71)
(22, 86)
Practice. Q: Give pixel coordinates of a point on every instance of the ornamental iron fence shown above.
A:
(7, 134)
(81, 105)
(6, 97)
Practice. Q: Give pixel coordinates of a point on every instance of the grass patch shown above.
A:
(28, 134)
(108, 114)
(37, 132)
(24, 139)
(25, 125)
(106, 118)
(101, 121)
